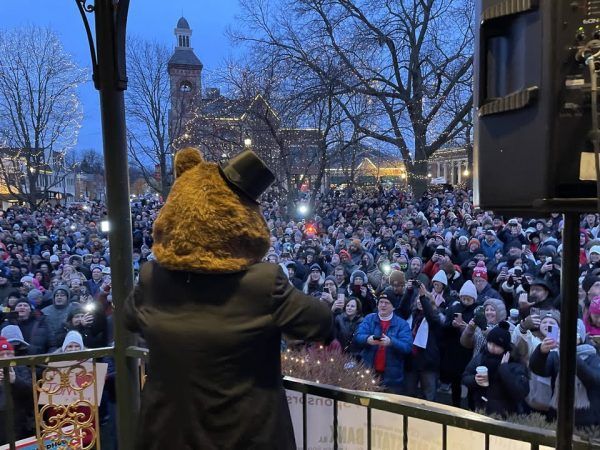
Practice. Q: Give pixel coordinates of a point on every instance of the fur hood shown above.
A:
(204, 225)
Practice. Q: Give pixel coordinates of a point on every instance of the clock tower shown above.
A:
(185, 74)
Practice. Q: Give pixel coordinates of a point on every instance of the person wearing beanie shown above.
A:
(480, 280)
(539, 297)
(89, 321)
(20, 381)
(497, 384)
(397, 287)
(386, 340)
(56, 314)
(13, 334)
(32, 327)
(545, 362)
(456, 357)
(360, 289)
(330, 295)
(314, 284)
(474, 337)
(36, 299)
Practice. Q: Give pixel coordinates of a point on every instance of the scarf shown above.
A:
(385, 318)
(492, 362)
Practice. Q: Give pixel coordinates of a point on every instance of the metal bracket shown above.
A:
(83, 9)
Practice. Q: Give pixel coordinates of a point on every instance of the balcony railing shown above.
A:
(444, 423)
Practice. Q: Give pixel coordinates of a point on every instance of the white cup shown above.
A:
(482, 370)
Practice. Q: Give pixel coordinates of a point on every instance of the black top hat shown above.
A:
(247, 174)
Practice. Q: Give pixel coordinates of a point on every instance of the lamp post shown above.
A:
(109, 75)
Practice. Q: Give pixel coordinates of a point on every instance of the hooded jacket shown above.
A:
(55, 317)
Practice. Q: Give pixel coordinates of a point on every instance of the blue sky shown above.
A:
(150, 19)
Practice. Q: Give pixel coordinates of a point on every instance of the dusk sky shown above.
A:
(150, 19)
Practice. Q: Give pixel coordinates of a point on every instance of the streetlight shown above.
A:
(428, 175)
(466, 172)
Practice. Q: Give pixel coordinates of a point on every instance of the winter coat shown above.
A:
(35, 333)
(428, 358)
(21, 391)
(214, 343)
(489, 250)
(487, 292)
(345, 328)
(55, 317)
(455, 357)
(588, 371)
(508, 387)
(399, 333)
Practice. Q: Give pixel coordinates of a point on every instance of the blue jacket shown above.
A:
(401, 336)
(490, 250)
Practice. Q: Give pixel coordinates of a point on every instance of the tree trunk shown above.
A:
(417, 178)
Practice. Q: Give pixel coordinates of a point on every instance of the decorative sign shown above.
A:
(61, 385)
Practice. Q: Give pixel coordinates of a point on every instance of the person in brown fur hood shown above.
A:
(213, 315)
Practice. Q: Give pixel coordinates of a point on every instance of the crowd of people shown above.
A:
(439, 298)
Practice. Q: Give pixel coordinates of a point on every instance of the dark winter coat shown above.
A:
(509, 385)
(214, 345)
(428, 358)
(21, 391)
(488, 292)
(588, 371)
(345, 328)
(35, 333)
(455, 357)
(399, 333)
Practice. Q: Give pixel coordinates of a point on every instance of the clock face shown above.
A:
(185, 86)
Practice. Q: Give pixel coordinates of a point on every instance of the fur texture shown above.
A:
(204, 225)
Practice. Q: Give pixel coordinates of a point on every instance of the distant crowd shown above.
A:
(431, 293)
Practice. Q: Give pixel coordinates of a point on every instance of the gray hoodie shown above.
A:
(56, 317)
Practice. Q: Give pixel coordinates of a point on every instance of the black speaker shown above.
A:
(532, 102)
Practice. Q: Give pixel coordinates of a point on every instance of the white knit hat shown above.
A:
(468, 289)
(72, 337)
(441, 277)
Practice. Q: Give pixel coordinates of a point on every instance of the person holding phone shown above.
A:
(455, 357)
(485, 318)
(385, 340)
(545, 362)
(346, 323)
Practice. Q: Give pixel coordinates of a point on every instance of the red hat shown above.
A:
(345, 253)
(5, 345)
(480, 271)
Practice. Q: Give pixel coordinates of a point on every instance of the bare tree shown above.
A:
(91, 161)
(411, 58)
(148, 101)
(40, 113)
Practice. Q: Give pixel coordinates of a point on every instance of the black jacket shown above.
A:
(509, 385)
(344, 332)
(455, 357)
(428, 358)
(214, 343)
